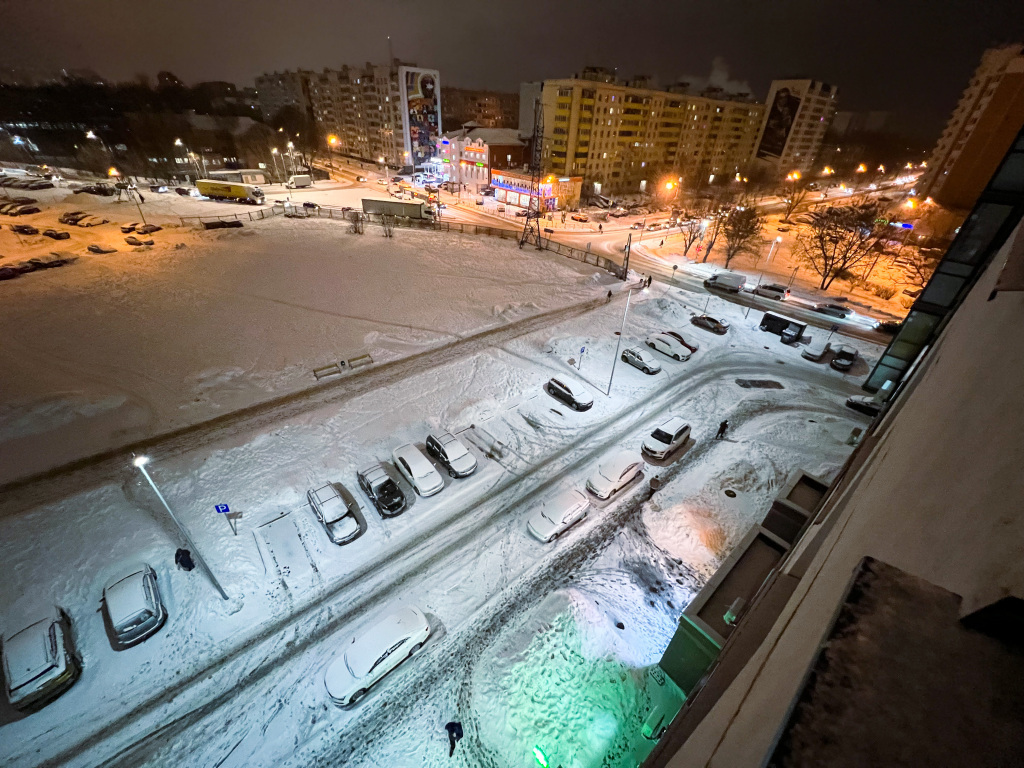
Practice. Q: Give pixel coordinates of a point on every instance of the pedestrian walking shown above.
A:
(650, 279)
(609, 294)
(662, 243)
(454, 735)
(721, 430)
(183, 559)
(600, 227)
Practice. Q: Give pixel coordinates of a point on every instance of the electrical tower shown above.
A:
(535, 212)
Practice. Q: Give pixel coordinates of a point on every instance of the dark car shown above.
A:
(864, 404)
(100, 249)
(25, 229)
(41, 184)
(890, 327)
(379, 488)
(521, 213)
(146, 229)
(8, 273)
(844, 356)
(57, 234)
(572, 395)
(360, 178)
(451, 453)
(712, 324)
(24, 200)
(835, 310)
(24, 210)
(396, 179)
(132, 240)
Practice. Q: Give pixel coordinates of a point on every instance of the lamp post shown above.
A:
(332, 141)
(188, 154)
(140, 462)
(291, 156)
(274, 153)
(775, 244)
(618, 342)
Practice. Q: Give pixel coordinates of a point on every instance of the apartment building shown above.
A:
(984, 123)
(799, 113)
(488, 109)
(625, 136)
(277, 90)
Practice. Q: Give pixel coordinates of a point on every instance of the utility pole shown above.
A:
(618, 342)
(625, 261)
(534, 213)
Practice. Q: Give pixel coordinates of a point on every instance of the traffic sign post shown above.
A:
(224, 509)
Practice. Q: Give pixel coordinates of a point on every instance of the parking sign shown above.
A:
(222, 509)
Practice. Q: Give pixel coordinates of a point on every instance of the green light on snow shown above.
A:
(540, 757)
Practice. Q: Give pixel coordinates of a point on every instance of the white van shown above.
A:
(726, 281)
(299, 181)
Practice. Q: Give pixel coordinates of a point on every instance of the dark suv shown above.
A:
(384, 492)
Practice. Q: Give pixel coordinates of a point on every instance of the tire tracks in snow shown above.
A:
(109, 465)
(324, 614)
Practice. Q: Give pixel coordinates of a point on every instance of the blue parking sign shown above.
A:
(221, 508)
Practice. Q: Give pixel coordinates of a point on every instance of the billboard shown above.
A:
(779, 123)
(421, 112)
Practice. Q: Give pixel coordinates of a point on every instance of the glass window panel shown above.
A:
(976, 235)
(1010, 177)
(942, 290)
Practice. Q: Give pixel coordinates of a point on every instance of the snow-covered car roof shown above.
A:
(126, 596)
(375, 474)
(30, 652)
(613, 467)
(418, 463)
(554, 509)
(452, 445)
(368, 647)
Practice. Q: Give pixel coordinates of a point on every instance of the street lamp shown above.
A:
(775, 244)
(618, 341)
(140, 462)
(332, 141)
(291, 155)
(274, 153)
(189, 155)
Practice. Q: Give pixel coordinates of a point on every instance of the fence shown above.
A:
(351, 214)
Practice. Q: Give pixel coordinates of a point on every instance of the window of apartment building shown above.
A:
(565, 93)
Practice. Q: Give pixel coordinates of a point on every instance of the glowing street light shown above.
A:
(881, 169)
(827, 171)
(113, 172)
(332, 141)
(862, 168)
(140, 463)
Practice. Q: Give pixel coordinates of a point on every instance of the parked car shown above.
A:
(57, 234)
(104, 190)
(669, 346)
(6, 208)
(147, 229)
(579, 217)
(373, 653)
(132, 608)
(772, 291)
(865, 404)
(636, 225)
(360, 178)
(816, 352)
(572, 395)
(382, 182)
(22, 200)
(8, 273)
(783, 229)
(396, 179)
(100, 249)
(39, 661)
(480, 201)
(417, 469)
(641, 359)
(557, 515)
(381, 490)
(452, 454)
(843, 358)
(337, 513)
(712, 324)
(890, 327)
(129, 228)
(614, 474)
(522, 212)
(92, 221)
(41, 184)
(666, 438)
(691, 345)
(132, 240)
(26, 229)
(835, 310)
(24, 210)
(72, 216)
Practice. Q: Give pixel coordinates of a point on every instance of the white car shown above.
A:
(614, 474)
(417, 469)
(451, 453)
(132, 608)
(666, 438)
(668, 345)
(557, 515)
(374, 653)
(641, 359)
(690, 344)
(39, 661)
(382, 182)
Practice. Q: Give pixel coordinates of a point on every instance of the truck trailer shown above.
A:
(790, 330)
(726, 281)
(223, 190)
(416, 209)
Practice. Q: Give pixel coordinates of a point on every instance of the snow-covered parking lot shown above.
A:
(527, 647)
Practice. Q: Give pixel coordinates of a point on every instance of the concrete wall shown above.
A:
(940, 498)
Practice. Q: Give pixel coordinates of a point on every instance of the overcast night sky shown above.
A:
(910, 57)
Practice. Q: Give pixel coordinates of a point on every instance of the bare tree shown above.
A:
(742, 227)
(796, 196)
(836, 239)
(712, 230)
(692, 231)
(918, 267)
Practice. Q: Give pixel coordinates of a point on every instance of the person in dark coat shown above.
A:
(721, 430)
(183, 559)
(454, 734)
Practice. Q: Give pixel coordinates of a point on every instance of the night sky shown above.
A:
(910, 57)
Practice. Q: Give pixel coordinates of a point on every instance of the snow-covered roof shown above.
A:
(29, 653)
(489, 136)
(126, 598)
(362, 654)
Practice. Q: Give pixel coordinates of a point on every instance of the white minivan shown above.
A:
(726, 281)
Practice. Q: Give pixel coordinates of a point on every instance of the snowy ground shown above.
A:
(115, 348)
(527, 648)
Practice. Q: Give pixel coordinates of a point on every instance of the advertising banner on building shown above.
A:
(421, 112)
(779, 123)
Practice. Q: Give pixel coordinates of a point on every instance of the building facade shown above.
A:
(488, 109)
(278, 90)
(617, 134)
(983, 125)
(797, 115)
(469, 155)
(551, 193)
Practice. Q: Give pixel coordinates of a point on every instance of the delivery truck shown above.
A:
(790, 330)
(417, 209)
(726, 281)
(222, 190)
(299, 181)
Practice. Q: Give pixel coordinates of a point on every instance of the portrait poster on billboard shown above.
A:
(421, 113)
(779, 123)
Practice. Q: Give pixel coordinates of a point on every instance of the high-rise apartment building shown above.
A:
(488, 109)
(277, 90)
(389, 113)
(984, 123)
(798, 114)
(618, 135)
